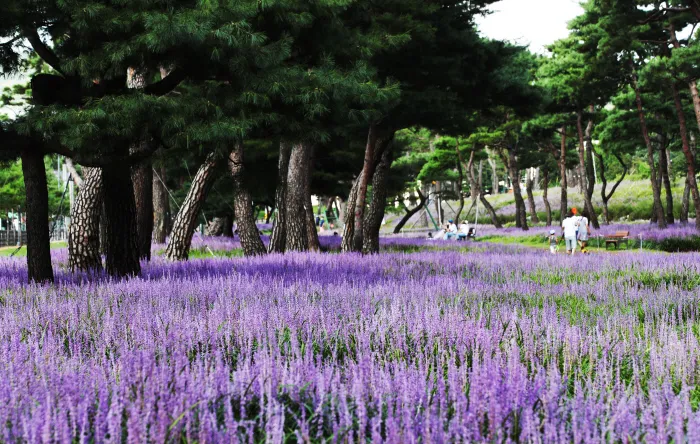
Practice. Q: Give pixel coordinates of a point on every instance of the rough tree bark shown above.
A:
(161, 206)
(583, 172)
(590, 172)
(375, 213)
(84, 231)
(545, 197)
(243, 205)
(531, 198)
(296, 218)
(178, 248)
(368, 169)
(37, 209)
(514, 172)
(121, 249)
(349, 227)
(665, 179)
(142, 178)
(687, 151)
(656, 190)
(279, 229)
(603, 191)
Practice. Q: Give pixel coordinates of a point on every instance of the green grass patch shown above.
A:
(7, 251)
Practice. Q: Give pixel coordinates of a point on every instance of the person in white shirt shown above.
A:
(463, 231)
(451, 230)
(584, 231)
(570, 226)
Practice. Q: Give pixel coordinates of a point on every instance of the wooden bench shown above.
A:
(617, 239)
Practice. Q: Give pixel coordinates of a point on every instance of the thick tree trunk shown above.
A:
(520, 211)
(296, 217)
(545, 197)
(656, 190)
(121, 249)
(178, 248)
(215, 227)
(243, 205)
(689, 158)
(37, 210)
(368, 169)
(349, 227)
(531, 198)
(586, 189)
(142, 178)
(590, 173)
(84, 231)
(279, 229)
(666, 180)
(161, 206)
(563, 202)
(227, 225)
(685, 205)
(375, 213)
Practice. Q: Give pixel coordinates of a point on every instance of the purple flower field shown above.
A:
(492, 344)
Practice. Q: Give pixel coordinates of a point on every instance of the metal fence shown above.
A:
(11, 238)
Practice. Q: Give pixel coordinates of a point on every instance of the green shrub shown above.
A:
(680, 245)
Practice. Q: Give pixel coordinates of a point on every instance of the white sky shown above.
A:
(530, 22)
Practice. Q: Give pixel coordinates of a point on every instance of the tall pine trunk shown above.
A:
(296, 217)
(460, 188)
(375, 213)
(161, 206)
(656, 189)
(689, 158)
(586, 187)
(489, 208)
(121, 249)
(37, 209)
(368, 169)
(520, 211)
(349, 227)
(142, 178)
(243, 205)
(590, 173)
(666, 180)
(531, 199)
(545, 197)
(279, 229)
(84, 231)
(563, 201)
(178, 248)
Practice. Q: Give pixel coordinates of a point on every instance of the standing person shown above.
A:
(570, 227)
(584, 231)
(553, 242)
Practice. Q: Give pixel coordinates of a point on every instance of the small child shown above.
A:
(553, 242)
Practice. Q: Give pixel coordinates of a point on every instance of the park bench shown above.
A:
(617, 239)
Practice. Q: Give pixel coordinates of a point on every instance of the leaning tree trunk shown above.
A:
(412, 212)
(84, 231)
(460, 188)
(656, 189)
(689, 158)
(349, 227)
(296, 218)
(663, 168)
(37, 209)
(186, 220)
(489, 208)
(243, 205)
(375, 213)
(121, 249)
(142, 178)
(531, 199)
(685, 204)
(161, 206)
(563, 202)
(279, 229)
(545, 197)
(368, 169)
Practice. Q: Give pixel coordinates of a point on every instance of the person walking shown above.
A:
(553, 242)
(584, 231)
(570, 226)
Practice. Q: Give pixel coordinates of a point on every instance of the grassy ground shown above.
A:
(542, 242)
(7, 251)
